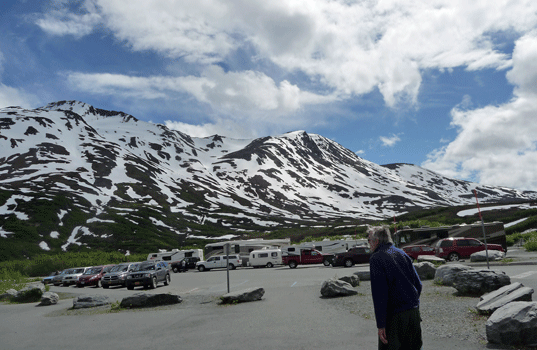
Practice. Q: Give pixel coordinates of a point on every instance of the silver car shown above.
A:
(57, 280)
(117, 275)
(72, 277)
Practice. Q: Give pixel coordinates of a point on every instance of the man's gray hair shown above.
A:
(381, 233)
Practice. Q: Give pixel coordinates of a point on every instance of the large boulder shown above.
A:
(139, 300)
(87, 301)
(10, 293)
(479, 282)
(513, 324)
(445, 274)
(245, 295)
(29, 294)
(425, 270)
(492, 301)
(363, 275)
(335, 288)
(49, 298)
(353, 280)
(494, 255)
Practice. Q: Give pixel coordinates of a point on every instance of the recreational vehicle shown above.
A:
(243, 247)
(175, 255)
(268, 257)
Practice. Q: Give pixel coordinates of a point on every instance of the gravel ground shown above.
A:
(443, 313)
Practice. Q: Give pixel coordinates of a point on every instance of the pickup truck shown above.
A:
(307, 256)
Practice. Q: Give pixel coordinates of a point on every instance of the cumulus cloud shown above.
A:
(350, 48)
(498, 144)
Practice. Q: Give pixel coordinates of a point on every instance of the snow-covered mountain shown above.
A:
(72, 174)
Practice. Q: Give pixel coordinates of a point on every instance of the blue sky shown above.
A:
(448, 85)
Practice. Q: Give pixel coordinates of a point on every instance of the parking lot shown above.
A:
(291, 314)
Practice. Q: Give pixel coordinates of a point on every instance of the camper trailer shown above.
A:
(175, 255)
(243, 247)
(266, 257)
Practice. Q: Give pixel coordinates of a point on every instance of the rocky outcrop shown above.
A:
(492, 301)
(140, 300)
(353, 280)
(513, 324)
(87, 301)
(494, 255)
(335, 288)
(425, 270)
(245, 295)
(479, 282)
(363, 275)
(49, 298)
(445, 274)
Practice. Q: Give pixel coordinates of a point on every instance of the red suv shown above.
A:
(455, 248)
(414, 251)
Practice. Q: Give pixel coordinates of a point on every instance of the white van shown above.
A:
(265, 257)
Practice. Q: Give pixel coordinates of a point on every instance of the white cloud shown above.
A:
(349, 47)
(498, 144)
(390, 141)
(10, 96)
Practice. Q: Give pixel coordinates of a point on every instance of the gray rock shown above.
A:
(494, 255)
(513, 324)
(425, 270)
(446, 273)
(363, 275)
(49, 298)
(149, 300)
(86, 301)
(479, 282)
(492, 301)
(431, 258)
(353, 280)
(245, 295)
(10, 293)
(334, 288)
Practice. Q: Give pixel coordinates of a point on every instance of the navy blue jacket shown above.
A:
(395, 284)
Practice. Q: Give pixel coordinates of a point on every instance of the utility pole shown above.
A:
(483, 226)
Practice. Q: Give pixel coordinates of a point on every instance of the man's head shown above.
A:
(379, 235)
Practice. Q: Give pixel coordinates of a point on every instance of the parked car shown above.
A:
(356, 255)
(92, 276)
(219, 261)
(57, 280)
(117, 276)
(49, 278)
(307, 256)
(190, 263)
(72, 277)
(455, 248)
(414, 251)
(149, 274)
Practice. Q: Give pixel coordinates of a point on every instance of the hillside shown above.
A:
(77, 177)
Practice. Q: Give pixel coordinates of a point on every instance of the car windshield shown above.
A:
(144, 267)
(119, 268)
(78, 271)
(93, 271)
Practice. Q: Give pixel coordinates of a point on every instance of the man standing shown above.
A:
(396, 289)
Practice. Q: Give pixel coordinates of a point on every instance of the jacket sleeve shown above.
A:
(379, 290)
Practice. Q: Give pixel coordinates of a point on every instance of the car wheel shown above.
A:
(348, 263)
(129, 287)
(269, 265)
(453, 257)
(292, 264)
(231, 267)
(167, 280)
(154, 282)
(201, 268)
(175, 269)
(326, 262)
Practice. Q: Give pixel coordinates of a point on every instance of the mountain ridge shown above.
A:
(170, 189)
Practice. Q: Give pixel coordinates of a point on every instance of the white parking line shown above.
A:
(525, 274)
(294, 284)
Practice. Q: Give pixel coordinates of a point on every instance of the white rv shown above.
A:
(268, 257)
(175, 255)
(243, 247)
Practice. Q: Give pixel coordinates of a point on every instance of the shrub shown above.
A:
(29, 296)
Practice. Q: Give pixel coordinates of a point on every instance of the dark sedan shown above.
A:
(148, 274)
(356, 255)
